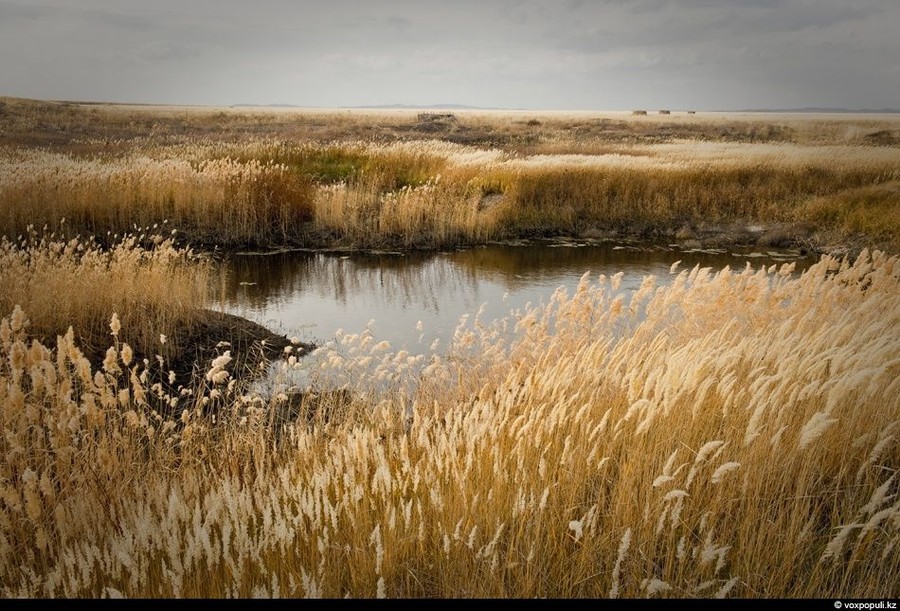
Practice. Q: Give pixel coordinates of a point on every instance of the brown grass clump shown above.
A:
(870, 211)
(733, 434)
(216, 201)
(153, 288)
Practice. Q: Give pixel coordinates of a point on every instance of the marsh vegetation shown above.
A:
(376, 179)
(722, 433)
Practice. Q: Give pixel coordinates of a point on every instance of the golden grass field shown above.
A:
(374, 179)
(731, 434)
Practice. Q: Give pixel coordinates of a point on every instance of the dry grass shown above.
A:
(435, 194)
(375, 178)
(483, 194)
(92, 127)
(153, 287)
(219, 201)
(733, 434)
(872, 211)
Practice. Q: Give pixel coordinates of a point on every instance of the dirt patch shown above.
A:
(252, 348)
(740, 235)
(250, 344)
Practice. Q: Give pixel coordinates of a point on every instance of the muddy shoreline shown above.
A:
(735, 235)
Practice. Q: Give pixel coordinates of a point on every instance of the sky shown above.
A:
(528, 54)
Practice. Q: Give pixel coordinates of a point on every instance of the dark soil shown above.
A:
(252, 346)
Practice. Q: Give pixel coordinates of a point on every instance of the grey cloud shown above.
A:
(92, 16)
(10, 12)
(124, 20)
(725, 23)
(525, 53)
(793, 19)
(171, 50)
(399, 23)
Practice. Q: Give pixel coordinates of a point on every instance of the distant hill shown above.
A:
(379, 106)
(880, 111)
(805, 109)
(268, 106)
(419, 107)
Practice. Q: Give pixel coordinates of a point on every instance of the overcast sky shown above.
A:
(568, 54)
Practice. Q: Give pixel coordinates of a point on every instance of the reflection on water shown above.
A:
(312, 295)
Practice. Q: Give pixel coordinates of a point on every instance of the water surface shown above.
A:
(312, 295)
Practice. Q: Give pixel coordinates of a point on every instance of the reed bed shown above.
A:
(76, 284)
(732, 434)
(217, 201)
(435, 194)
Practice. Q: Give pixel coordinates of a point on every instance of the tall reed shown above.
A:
(154, 287)
(216, 201)
(732, 434)
(437, 194)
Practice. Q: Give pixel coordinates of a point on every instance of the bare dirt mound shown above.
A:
(249, 343)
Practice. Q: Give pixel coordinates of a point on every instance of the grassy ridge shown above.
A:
(729, 435)
(222, 200)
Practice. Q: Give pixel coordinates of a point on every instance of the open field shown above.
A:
(730, 434)
(36, 123)
(371, 179)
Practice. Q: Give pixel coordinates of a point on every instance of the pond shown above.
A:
(413, 299)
